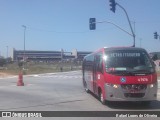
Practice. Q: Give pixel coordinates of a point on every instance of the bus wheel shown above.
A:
(86, 90)
(85, 87)
(102, 100)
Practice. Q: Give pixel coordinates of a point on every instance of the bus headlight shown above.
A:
(151, 85)
(115, 86)
(105, 57)
(112, 85)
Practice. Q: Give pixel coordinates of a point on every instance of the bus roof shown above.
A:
(116, 48)
(124, 48)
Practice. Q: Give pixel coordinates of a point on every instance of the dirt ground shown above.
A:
(3, 75)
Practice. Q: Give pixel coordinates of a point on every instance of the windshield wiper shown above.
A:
(141, 71)
(116, 72)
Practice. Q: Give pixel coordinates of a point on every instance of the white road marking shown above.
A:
(14, 85)
(59, 76)
(53, 73)
(9, 77)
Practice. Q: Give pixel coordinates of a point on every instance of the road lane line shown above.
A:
(8, 77)
(15, 85)
(52, 73)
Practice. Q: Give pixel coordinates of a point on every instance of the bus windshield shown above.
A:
(128, 62)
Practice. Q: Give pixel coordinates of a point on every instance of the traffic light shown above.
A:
(113, 5)
(92, 23)
(155, 35)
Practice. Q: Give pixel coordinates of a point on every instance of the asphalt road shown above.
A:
(58, 92)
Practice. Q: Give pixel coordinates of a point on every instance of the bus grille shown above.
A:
(134, 95)
(136, 87)
(134, 90)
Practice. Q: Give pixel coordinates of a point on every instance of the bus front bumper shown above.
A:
(131, 93)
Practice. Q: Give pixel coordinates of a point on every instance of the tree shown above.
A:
(2, 61)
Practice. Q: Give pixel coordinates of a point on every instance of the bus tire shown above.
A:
(101, 98)
(87, 90)
(85, 87)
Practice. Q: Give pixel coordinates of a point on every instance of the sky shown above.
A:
(64, 24)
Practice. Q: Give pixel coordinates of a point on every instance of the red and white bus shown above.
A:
(120, 74)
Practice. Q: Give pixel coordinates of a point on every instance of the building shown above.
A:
(80, 54)
(34, 55)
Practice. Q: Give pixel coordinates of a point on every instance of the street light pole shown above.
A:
(113, 8)
(7, 52)
(133, 34)
(7, 57)
(115, 26)
(24, 43)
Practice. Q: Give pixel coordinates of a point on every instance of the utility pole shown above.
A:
(7, 52)
(24, 56)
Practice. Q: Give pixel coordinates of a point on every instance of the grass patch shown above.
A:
(38, 68)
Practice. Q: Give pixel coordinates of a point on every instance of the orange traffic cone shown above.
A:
(20, 80)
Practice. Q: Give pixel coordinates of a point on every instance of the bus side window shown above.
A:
(99, 66)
